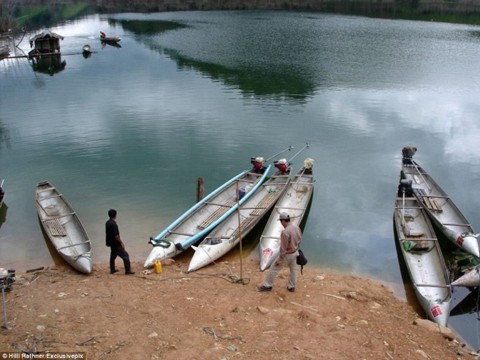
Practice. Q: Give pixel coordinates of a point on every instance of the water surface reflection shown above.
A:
(198, 93)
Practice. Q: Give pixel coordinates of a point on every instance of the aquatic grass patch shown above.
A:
(44, 16)
(35, 14)
(73, 11)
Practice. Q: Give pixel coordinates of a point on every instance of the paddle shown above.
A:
(421, 175)
(298, 152)
(281, 152)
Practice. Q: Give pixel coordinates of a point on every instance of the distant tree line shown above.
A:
(16, 14)
(372, 7)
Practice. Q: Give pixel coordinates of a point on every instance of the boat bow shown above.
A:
(162, 249)
(469, 243)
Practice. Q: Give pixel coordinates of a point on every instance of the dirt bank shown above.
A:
(216, 313)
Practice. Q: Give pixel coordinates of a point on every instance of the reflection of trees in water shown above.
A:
(4, 135)
(257, 82)
(142, 27)
(278, 85)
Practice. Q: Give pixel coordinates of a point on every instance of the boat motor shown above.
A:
(258, 163)
(282, 165)
(405, 187)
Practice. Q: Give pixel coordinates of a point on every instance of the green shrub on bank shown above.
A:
(41, 16)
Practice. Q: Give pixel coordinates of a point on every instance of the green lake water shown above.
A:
(193, 94)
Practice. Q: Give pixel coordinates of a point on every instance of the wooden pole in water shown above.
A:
(200, 189)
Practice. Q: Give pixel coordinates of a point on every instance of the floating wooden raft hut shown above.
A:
(46, 43)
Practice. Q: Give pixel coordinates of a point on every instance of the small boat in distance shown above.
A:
(294, 201)
(230, 232)
(422, 254)
(441, 209)
(63, 227)
(108, 39)
(208, 213)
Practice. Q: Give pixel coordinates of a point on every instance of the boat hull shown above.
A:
(63, 228)
(423, 258)
(440, 208)
(204, 216)
(112, 40)
(470, 279)
(227, 235)
(294, 201)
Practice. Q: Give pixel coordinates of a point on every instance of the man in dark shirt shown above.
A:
(113, 240)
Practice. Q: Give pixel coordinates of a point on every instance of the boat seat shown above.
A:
(417, 246)
(54, 227)
(410, 232)
(421, 246)
(222, 209)
(429, 201)
(264, 204)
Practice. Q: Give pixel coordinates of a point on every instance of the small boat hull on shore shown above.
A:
(294, 201)
(423, 257)
(63, 227)
(230, 232)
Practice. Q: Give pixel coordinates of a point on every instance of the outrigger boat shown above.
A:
(294, 201)
(422, 254)
(230, 232)
(208, 213)
(63, 227)
(438, 205)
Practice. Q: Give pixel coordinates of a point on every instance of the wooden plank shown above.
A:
(429, 201)
(216, 214)
(264, 204)
(243, 226)
(436, 205)
(432, 204)
(54, 227)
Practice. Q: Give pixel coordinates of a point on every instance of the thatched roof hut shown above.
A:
(46, 42)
